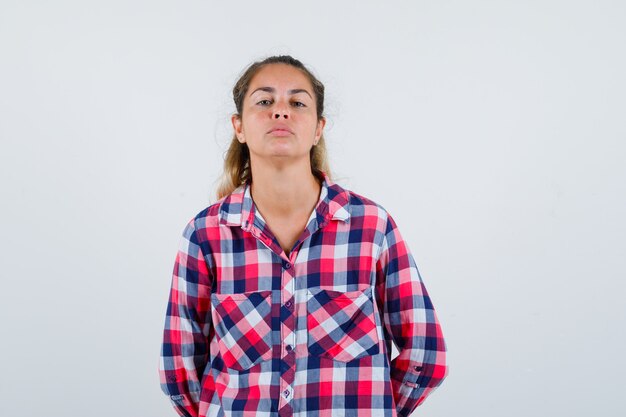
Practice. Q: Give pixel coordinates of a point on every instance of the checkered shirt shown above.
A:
(251, 331)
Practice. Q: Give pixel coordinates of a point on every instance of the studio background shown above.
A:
(493, 132)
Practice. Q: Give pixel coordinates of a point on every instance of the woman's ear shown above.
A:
(319, 129)
(235, 119)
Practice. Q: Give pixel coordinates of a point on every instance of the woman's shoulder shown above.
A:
(208, 216)
(361, 205)
(360, 199)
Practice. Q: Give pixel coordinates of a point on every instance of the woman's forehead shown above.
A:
(280, 76)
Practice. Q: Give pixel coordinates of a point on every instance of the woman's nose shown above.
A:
(281, 110)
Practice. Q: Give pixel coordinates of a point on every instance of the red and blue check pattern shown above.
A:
(251, 331)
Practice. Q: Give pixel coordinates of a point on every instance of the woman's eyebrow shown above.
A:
(273, 90)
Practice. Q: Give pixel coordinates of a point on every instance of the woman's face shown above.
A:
(278, 117)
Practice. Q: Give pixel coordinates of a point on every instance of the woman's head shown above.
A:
(298, 103)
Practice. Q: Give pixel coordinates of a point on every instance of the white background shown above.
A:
(493, 132)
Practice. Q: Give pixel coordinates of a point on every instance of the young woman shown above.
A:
(288, 291)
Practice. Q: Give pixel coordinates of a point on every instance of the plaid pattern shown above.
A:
(250, 331)
(341, 326)
(244, 328)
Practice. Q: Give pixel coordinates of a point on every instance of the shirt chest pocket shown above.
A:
(341, 325)
(243, 327)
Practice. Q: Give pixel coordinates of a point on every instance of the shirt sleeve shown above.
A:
(185, 347)
(411, 322)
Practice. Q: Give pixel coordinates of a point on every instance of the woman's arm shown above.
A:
(410, 319)
(185, 348)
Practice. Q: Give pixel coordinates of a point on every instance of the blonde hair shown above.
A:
(237, 157)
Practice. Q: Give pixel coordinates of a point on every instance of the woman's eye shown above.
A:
(267, 102)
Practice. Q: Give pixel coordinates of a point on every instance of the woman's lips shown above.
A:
(280, 132)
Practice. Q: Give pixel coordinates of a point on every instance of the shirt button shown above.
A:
(286, 392)
(417, 368)
(289, 347)
(288, 303)
(287, 265)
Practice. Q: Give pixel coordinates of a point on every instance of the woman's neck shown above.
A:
(286, 192)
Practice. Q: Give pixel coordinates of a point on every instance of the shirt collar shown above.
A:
(237, 209)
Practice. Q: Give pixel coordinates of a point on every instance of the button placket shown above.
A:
(290, 342)
(288, 334)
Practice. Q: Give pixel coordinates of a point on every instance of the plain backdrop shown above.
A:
(493, 132)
